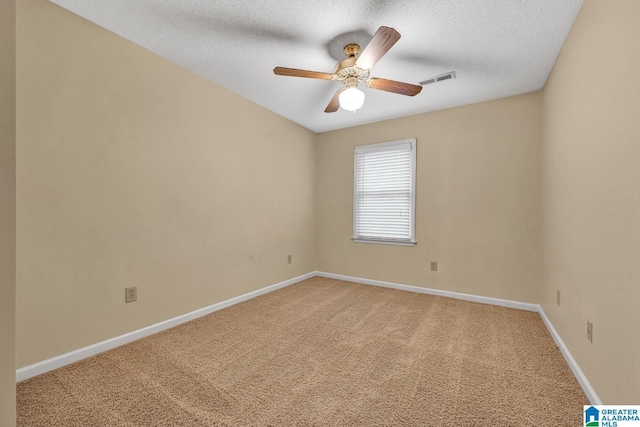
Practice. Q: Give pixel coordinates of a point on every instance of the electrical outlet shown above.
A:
(434, 265)
(590, 331)
(289, 259)
(131, 294)
(558, 297)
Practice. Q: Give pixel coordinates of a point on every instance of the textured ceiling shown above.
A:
(497, 48)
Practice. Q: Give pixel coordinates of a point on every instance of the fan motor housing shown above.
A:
(347, 63)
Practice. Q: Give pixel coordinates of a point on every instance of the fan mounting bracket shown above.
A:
(352, 50)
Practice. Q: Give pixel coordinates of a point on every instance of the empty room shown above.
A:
(367, 213)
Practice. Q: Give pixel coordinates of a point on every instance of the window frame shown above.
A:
(412, 196)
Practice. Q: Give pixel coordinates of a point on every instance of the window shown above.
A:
(384, 193)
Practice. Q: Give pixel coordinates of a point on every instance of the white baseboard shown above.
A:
(91, 350)
(577, 372)
(449, 294)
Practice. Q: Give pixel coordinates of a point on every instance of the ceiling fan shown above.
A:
(356, 69)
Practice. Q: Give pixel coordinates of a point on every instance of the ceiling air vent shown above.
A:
(440, 78)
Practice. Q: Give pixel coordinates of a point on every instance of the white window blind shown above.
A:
(384, 192)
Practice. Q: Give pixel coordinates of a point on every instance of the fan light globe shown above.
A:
(351, 99)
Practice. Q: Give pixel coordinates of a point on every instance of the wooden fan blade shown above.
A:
(381, 42)
(334, 104)
(294, 72)
(394, 86)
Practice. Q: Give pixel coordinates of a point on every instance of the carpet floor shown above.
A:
(322, 352)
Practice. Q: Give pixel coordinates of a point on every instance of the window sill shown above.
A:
(384, 242)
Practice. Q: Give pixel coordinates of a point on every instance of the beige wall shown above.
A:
(477, 204)
(134, 171)
(591, 196)
(7, 212)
